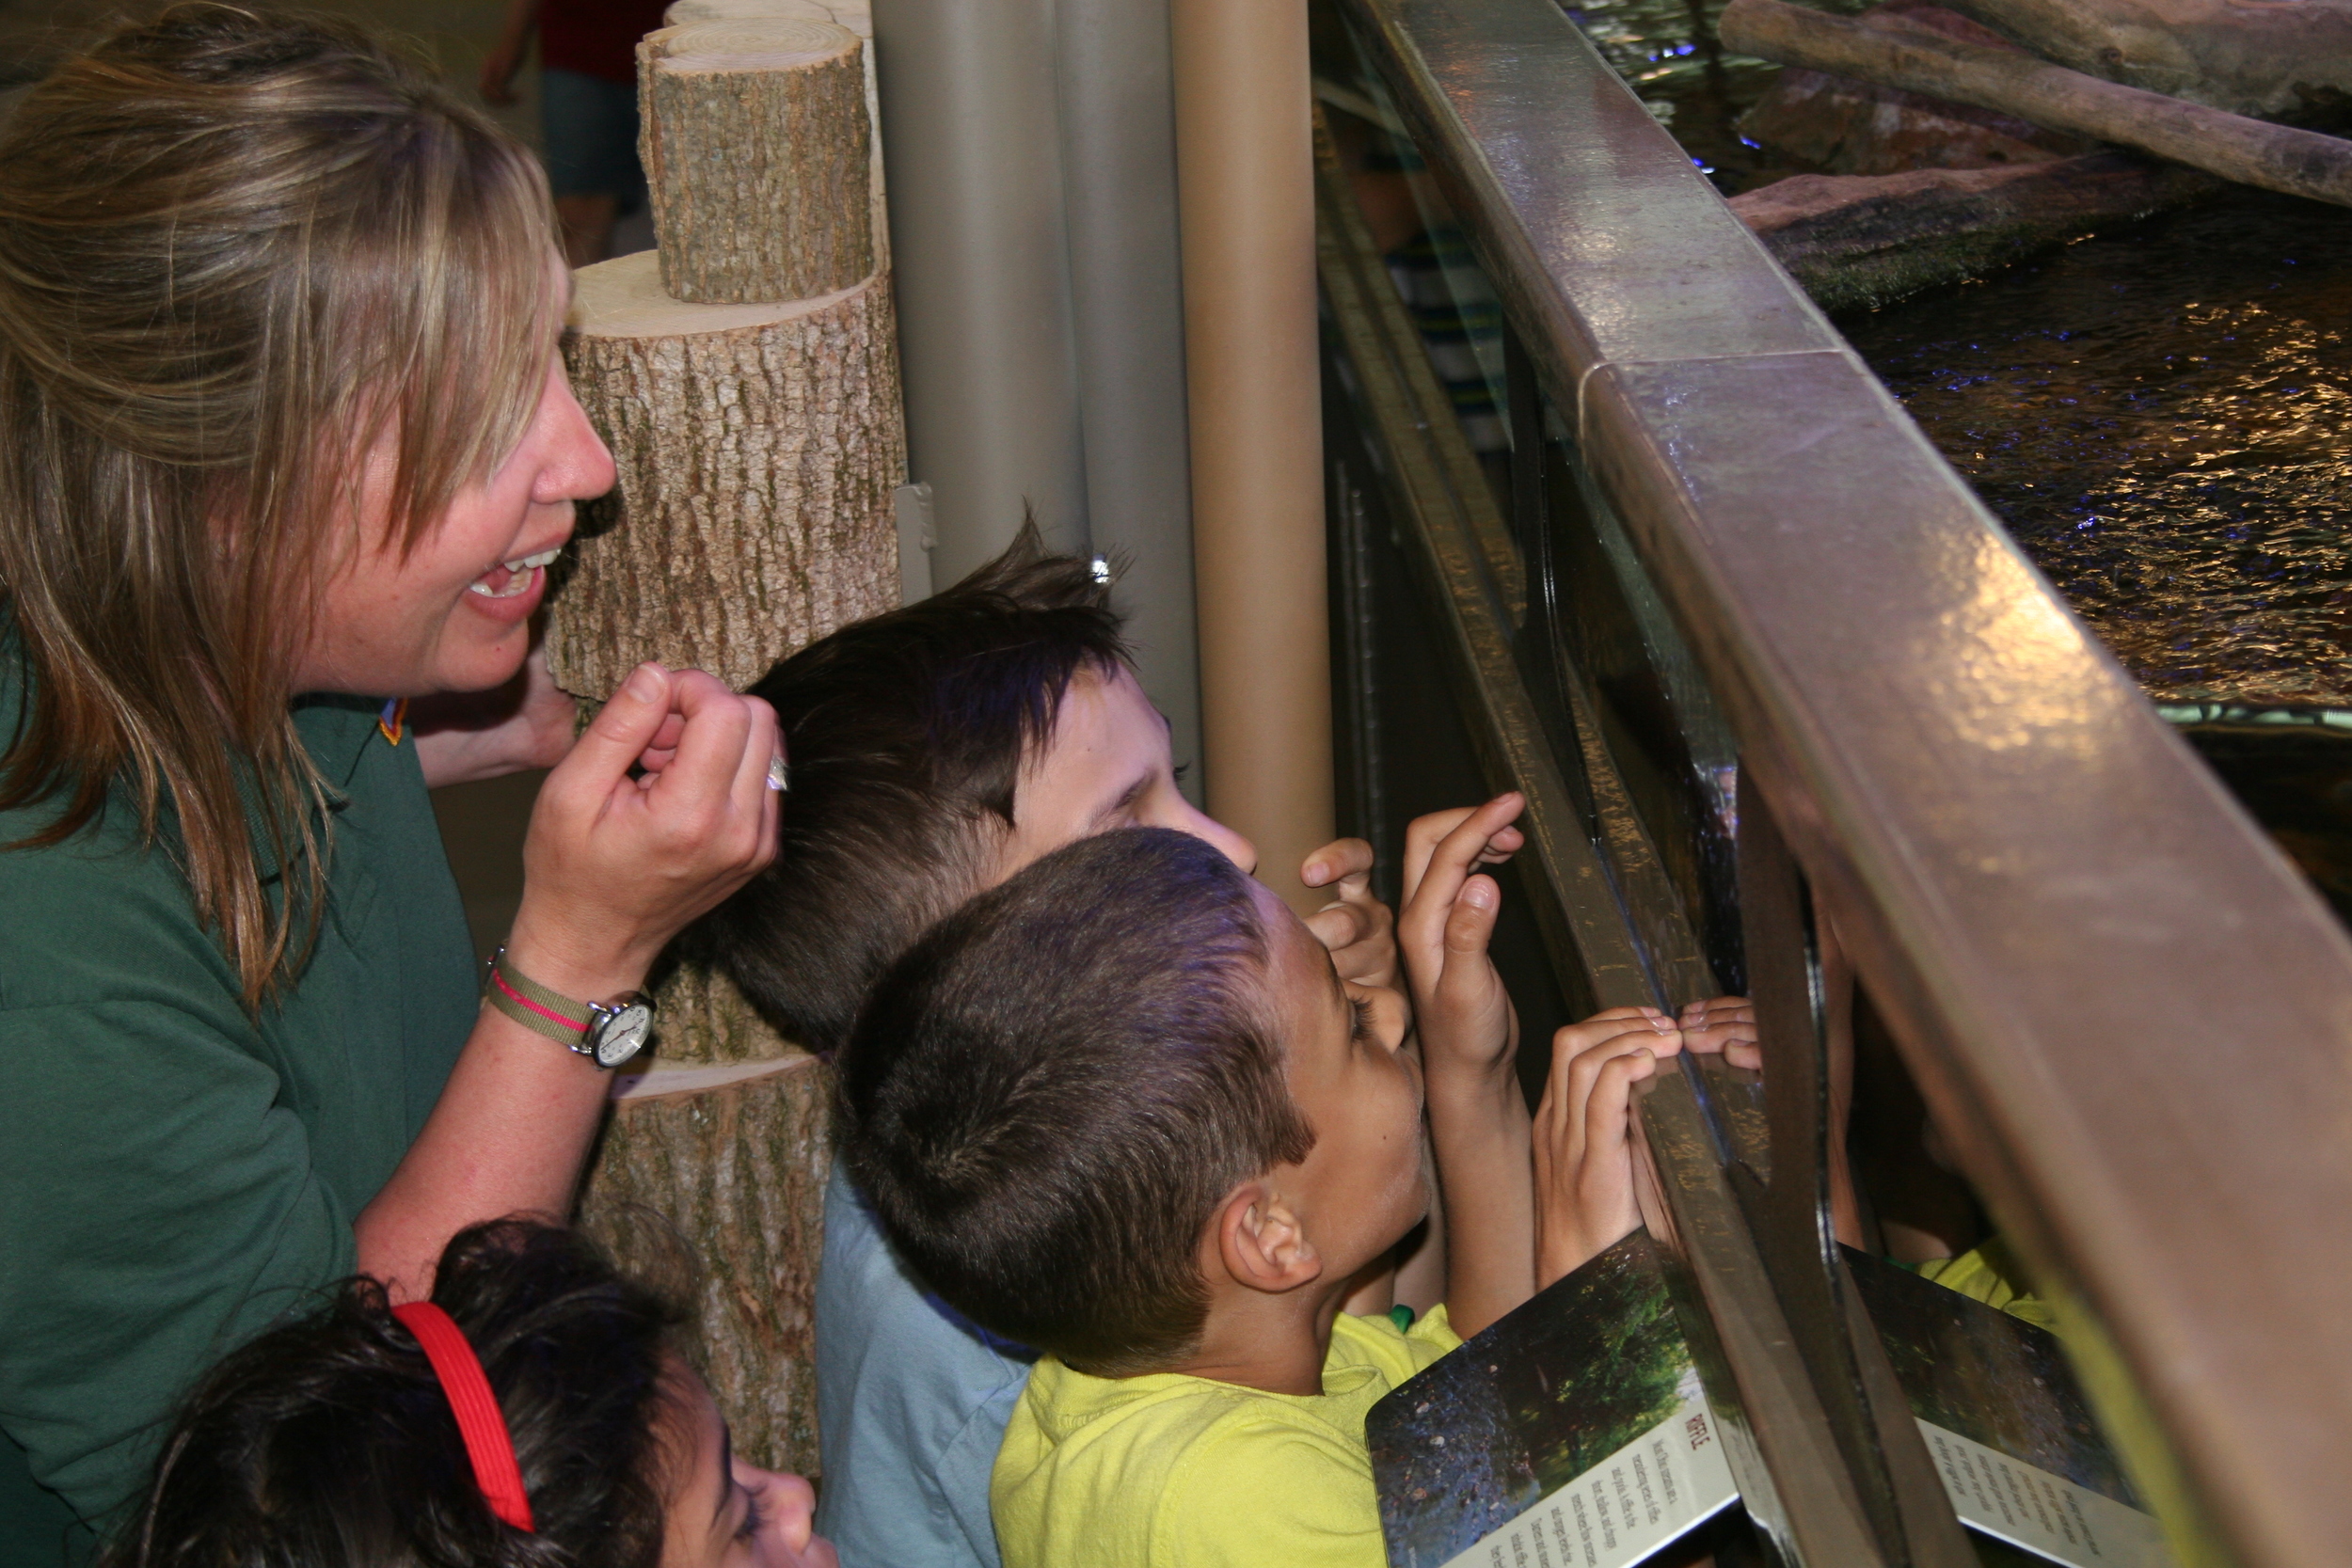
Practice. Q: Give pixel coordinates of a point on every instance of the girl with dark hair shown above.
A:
(534, 1411)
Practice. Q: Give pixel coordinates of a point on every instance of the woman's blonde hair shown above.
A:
(239, 251)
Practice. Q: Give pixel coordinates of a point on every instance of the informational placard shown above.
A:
(1636, 1500)
(1573, 1434)
(2027, 1506)
(2021, 1455)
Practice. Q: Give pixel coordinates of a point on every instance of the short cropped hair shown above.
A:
(1051, 1094)
(331, 1440)
(906, 734)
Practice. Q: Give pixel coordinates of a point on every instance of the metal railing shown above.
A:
(1783, 695)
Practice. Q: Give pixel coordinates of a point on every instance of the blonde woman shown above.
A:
(284, 440)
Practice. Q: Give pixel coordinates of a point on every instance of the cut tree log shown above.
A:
(733, 1167)
(756, 141)
(1857, 240)
(857, 16)
(757, 446)
(2289, 59)
(2276, 157)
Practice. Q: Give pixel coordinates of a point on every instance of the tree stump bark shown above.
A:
(857, 16)
(761, 118)
(758, 445)
(734, 1169)
(757, 448)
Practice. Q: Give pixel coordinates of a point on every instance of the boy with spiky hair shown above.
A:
(935, 752)
(1124, 1109)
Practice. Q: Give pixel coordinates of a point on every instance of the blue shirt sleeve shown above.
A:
(911, 1403)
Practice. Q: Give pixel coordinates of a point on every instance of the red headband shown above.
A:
(478, 1418)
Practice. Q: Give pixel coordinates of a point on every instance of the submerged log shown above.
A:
(2270, 59)
(1843, 126)
(2279, 158)
(1868, 240)
(1850, 127)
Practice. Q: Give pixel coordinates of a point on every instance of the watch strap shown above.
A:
(550, 1013)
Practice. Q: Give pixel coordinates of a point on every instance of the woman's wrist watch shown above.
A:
(607, 1032)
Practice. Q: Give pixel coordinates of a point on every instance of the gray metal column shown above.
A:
(1118, 171)
(972, 148)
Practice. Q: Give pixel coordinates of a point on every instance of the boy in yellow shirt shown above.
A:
(1122, 1109)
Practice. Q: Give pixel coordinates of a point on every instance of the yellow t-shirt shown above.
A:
(1174, 1471)
(1993, 1276)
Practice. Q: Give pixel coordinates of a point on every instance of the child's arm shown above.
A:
(1478, 1121)
(1725, 1024)
(1360, 931)
(1584, 1126)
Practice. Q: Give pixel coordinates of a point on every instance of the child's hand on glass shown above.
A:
(1724, 1024)
(1584, 1197)
(1359, 930)
(1464, 1015)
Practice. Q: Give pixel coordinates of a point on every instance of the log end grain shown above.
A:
(625, 298)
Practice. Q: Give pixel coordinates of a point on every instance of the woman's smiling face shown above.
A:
(453, 613)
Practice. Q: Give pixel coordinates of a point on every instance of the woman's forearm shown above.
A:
(511, 1129)
(508, 1136)
(614, 868)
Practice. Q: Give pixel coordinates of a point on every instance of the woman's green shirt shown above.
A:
(174, 1174)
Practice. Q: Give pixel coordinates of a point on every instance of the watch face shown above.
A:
(621, 1034)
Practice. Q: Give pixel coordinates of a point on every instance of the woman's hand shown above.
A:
(616, 865)
(528, 723)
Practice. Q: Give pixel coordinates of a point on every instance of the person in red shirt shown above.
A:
(587, 107)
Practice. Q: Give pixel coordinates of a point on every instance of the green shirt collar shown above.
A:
(337, 731)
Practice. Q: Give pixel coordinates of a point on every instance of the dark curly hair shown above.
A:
(328, 1443)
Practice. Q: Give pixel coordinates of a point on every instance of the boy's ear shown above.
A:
(1263, 1243)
